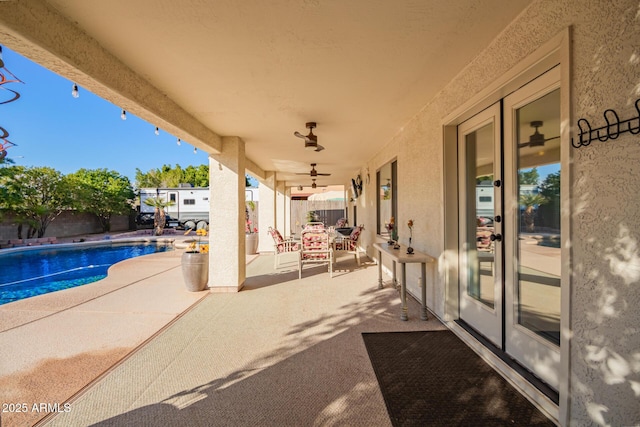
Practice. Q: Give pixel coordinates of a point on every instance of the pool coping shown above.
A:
(102, 242)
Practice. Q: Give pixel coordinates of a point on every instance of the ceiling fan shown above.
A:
(311, 140)
(537, 139)
(314, 172)
(314, 185)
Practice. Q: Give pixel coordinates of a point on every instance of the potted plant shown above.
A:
(195, 263)
(250, 230)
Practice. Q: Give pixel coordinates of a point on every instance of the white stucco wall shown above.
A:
(605, 225)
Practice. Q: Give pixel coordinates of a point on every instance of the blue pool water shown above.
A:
(34, 272)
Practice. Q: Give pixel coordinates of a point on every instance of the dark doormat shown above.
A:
(432, 378)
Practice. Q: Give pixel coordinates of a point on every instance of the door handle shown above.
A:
(496, 237)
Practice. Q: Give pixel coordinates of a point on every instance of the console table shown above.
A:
(400, 256)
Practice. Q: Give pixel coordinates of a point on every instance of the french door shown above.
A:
(480, 165)
(510, 234)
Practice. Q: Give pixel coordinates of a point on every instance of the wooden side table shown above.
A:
(401, 256)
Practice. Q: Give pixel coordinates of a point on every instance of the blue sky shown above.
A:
(51, 128)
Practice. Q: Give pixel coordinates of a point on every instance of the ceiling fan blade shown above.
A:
(538, 143)
(319, 148)
(323, 174)
(299, 135)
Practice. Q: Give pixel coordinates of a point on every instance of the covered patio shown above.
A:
(418, 106)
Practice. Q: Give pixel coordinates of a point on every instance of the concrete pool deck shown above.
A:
(283, 351)
(53, 345)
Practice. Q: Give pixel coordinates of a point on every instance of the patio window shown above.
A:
(387, 201)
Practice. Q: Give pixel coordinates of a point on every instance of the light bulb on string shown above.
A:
(195, 150)
(74, 91)
(123, 116)
(157, 131)
(178, 141)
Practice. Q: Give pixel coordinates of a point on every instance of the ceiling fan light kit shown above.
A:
(310, 140)
(537, 139)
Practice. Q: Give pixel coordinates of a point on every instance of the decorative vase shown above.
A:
(409, 249)
(251, 243)
(195, 270)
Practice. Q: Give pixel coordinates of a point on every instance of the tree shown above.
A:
(530, 201)
(159, 216)
(550, 212)
(169, 177)
(528, 177)
(151, 179)
(550, 187)
(103, 193)
(36, 195)
(484, 178)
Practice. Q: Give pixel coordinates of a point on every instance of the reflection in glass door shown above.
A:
(532, 193)
(480, 205)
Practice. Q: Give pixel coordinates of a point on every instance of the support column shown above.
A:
(280, 208)
(267, 211)
(227, 265)
(287, 212)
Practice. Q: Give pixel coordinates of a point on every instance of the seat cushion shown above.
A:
(355, 234)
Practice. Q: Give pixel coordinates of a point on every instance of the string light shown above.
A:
(195, 150)
(1, 61)
(123, 116)
(157, 132)
(178, 141)
(74, 91)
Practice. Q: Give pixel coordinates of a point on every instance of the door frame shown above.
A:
(556, 51)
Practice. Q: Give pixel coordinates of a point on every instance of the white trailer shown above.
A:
(190, 205)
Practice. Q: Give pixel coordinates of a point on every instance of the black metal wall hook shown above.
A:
(611, 130)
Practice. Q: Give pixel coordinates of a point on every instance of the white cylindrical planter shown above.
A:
(195, 270)
(251, 244)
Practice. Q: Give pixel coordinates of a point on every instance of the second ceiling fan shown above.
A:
(314, 172)
(314, 185)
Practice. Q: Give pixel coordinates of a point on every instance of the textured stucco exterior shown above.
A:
(604, 376)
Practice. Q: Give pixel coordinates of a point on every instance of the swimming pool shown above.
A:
(32, 272)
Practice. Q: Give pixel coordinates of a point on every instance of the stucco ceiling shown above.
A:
(260, 69)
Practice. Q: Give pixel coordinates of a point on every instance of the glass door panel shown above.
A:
(538, 222)
(480, 284)
(480, 213)
(533, 259)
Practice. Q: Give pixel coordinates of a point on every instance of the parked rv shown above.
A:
(190, 205)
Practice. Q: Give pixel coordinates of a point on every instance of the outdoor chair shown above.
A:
(314, 225)
(349, 243)
(485, 246)
(316, 249)
(281, 246)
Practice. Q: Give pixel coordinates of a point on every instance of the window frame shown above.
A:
(394, 194)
